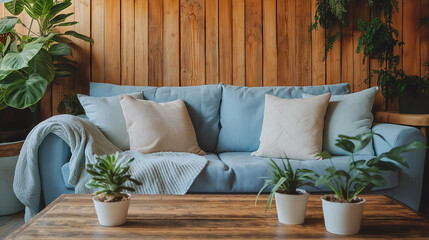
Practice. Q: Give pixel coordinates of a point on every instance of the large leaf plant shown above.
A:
(29, 61)
(362, 176)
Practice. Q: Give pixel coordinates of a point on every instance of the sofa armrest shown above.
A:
(53, 154)
(410, 180)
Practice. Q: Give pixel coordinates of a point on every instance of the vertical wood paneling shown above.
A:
(424, 36)
(253, 43)
(333, 62)
(317, 51)
(225, 41)
(286, 43)
(82, 50)
(155, 43)
(171, 63)
(360, 70)
(192, 42)
(141, 56)
(97, 48)
(397, 24)
(303, 43)
(212, 42)
(411, 30)
(112, 41)
(347, 51)
(269, 43)
(65, 85)
(238, 43)
(128, 37)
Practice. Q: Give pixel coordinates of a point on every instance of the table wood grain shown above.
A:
(212, 216)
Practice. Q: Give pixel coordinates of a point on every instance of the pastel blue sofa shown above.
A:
(228, 121)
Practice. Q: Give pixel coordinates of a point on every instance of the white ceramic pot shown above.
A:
(342, 218)
(291, 207)
(112, 213)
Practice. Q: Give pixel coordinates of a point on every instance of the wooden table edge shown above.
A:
(38, 215)
(63, 196)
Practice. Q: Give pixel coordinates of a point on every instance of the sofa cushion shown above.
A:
(106, 114)
(202, 102)
(159, 127)
(215, 177)
(344, 117)
(247, 170)
(242, 112)
(293, 127)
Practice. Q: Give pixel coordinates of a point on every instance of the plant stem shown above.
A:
(29, 29)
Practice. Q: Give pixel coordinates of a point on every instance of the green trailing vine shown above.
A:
(378, 40)
(329, 14)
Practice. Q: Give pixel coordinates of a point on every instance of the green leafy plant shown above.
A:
(377, 36)
(70, 105)
(362, 176)
(285, 180)
(109, 175)
(30, 61)
(329, 14)
(394, 81)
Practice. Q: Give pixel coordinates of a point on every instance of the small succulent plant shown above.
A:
(109, 174)
(286, 180)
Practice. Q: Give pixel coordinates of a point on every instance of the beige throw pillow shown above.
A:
(159, 127)
(293, 127)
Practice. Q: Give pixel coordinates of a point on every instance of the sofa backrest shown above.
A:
(202, 102)
(242, 112)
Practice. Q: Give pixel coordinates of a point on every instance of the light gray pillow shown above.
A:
(106, 114)
(350, 115)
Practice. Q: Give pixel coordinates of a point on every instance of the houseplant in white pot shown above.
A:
(342, 211)
(109, 174)
(291, 202)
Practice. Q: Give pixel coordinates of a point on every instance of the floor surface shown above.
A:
(9, 223)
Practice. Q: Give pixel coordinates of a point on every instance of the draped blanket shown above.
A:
(160, 173)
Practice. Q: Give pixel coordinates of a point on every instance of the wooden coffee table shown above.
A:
(212, 216)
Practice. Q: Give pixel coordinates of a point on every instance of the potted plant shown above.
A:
(343, 210)
(109, 175)
(29, 61)
(291, 202)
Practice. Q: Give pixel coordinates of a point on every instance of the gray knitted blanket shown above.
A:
(160, 173)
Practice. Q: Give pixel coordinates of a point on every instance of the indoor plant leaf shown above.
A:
(66, 24)
(42, 64)
(26, 92)
(60, 49)
(15, 7)
(57, 8)
(7, 24)
(60, 18)
(79, 36)
(19, 60)
(42, 7)
(10, 77)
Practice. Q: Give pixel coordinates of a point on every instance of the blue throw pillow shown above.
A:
(242, 112)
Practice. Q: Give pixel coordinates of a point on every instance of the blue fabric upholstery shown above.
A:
(410, 179)
(202, 102)
(247, 170)
(53, 154)
(242, 112)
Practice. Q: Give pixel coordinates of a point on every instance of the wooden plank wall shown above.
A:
(240, 42)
